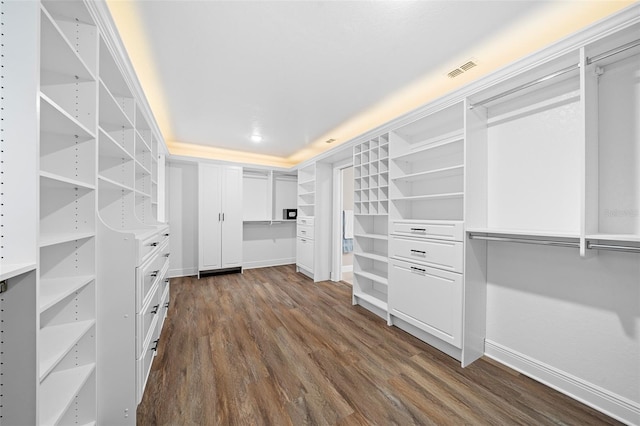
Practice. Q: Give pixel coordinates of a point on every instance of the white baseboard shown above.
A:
(267, 263)
(609, 403)
(185, 272)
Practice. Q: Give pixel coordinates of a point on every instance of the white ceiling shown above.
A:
(293, 71)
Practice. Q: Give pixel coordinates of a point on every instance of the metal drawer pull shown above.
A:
(167, 255)
(166, 281)
(166, 235)
(419, 229)
(166, 305)
(155, 345)
(413, 268)
(155, 309)
(154, 244)
(154, 273)
(418, 251)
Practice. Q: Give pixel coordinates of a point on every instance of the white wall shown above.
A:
(575, 323)
(268, 245)
(183, 218)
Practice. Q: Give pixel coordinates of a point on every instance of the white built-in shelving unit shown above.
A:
(67, 226)
(78, 173)
(314, 221)
(371, 207)
(426, 281)
(133, 247)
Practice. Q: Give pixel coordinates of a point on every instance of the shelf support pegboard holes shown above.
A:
(2, 132)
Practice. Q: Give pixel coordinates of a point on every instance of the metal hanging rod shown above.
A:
(592, 60)
(628, 249)
(525, 241)
(612, 52)
(526, 85)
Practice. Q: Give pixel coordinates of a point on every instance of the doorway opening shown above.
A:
(343, 218)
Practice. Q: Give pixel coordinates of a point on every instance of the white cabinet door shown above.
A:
(428, 298)
(232, 217)
(304, 254)
(210, 217)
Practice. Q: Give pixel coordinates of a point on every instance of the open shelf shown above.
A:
(375, 297)
(53, 290)
(11, 270)
(57, 392)
(372, 256)
(56, 341)
(75, 24)
(58, 55)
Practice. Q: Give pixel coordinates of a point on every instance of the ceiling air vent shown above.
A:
(330, 140)
(464, 67)
(455, 73)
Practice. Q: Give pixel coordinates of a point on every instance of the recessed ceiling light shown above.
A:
(330, 140)
(256, 138)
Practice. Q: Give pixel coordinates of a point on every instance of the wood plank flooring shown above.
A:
(270, 347)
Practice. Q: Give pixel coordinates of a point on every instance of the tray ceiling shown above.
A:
(298, 73)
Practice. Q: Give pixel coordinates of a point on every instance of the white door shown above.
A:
(210, 216)
(232, 217)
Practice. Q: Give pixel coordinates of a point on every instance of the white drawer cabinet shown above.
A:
(439, 230)
(427, 298)
(132, 316)
(442, 254)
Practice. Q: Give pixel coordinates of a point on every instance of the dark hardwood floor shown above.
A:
(271, 347)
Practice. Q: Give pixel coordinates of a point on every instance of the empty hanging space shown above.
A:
(613, 143)
(533, 130)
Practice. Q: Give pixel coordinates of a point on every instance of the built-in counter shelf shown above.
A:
(11, 270)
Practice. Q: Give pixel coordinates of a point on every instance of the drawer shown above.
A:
(164, 301)
(143, 367)
(146, 320)
(436, 253)
(151, 272)
(152, 243)
(436, 230)
(305, 231)
(305, 220)
(428, 298)
(304, 253)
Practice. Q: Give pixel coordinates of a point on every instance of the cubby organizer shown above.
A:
(371, 206)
